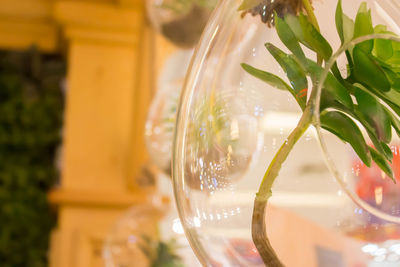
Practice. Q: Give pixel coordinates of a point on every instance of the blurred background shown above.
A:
(88, 96)
(77, 77)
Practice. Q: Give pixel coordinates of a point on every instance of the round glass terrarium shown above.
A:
(160, 123)
(265, 86)
(180, 21)
(130, 237)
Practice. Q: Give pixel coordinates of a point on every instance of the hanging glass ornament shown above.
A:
(124, 243)
(132, 241)
(160, 124)
(180, 21)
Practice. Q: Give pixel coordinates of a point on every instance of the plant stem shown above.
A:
(259, 233)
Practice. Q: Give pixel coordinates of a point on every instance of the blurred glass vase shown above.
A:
(180, 21)
(161, 119)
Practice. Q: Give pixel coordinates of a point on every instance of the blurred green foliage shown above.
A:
(161, 253)
(31, 107)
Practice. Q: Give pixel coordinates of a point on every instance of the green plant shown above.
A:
(31, 105)
(160, 253)
(369, 95)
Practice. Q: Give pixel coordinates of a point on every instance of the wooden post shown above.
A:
(103, 42)
(107, 99)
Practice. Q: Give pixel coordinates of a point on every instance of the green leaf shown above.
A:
(394, 120)
(383, 49)
(393, 64)
(396, 84)
(328, 101)
(392, 98)
(345, 128)
(396, 44)
(387, 152)
(293, 70)
(395, 59)
(294, 24)
(267, 77)
(382, 163)
(331, 84)
(344, 24)
(363, 26)
(393, 77)
(374, 113)
(339, 20)
(367, 70)
(249, 4)
(336, 72)
(348, 28)
(390, 74)
(380, 146)
(272, 80)
(348, 33)
(289, 39)
(380, 28)
(311, 37)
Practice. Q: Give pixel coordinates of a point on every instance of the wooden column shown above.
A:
(107, 100)
(103, 67)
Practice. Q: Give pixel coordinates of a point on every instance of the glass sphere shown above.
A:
(230, 126)
(180, 21)
(132, 240)
(126, 240)
(160, 124)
